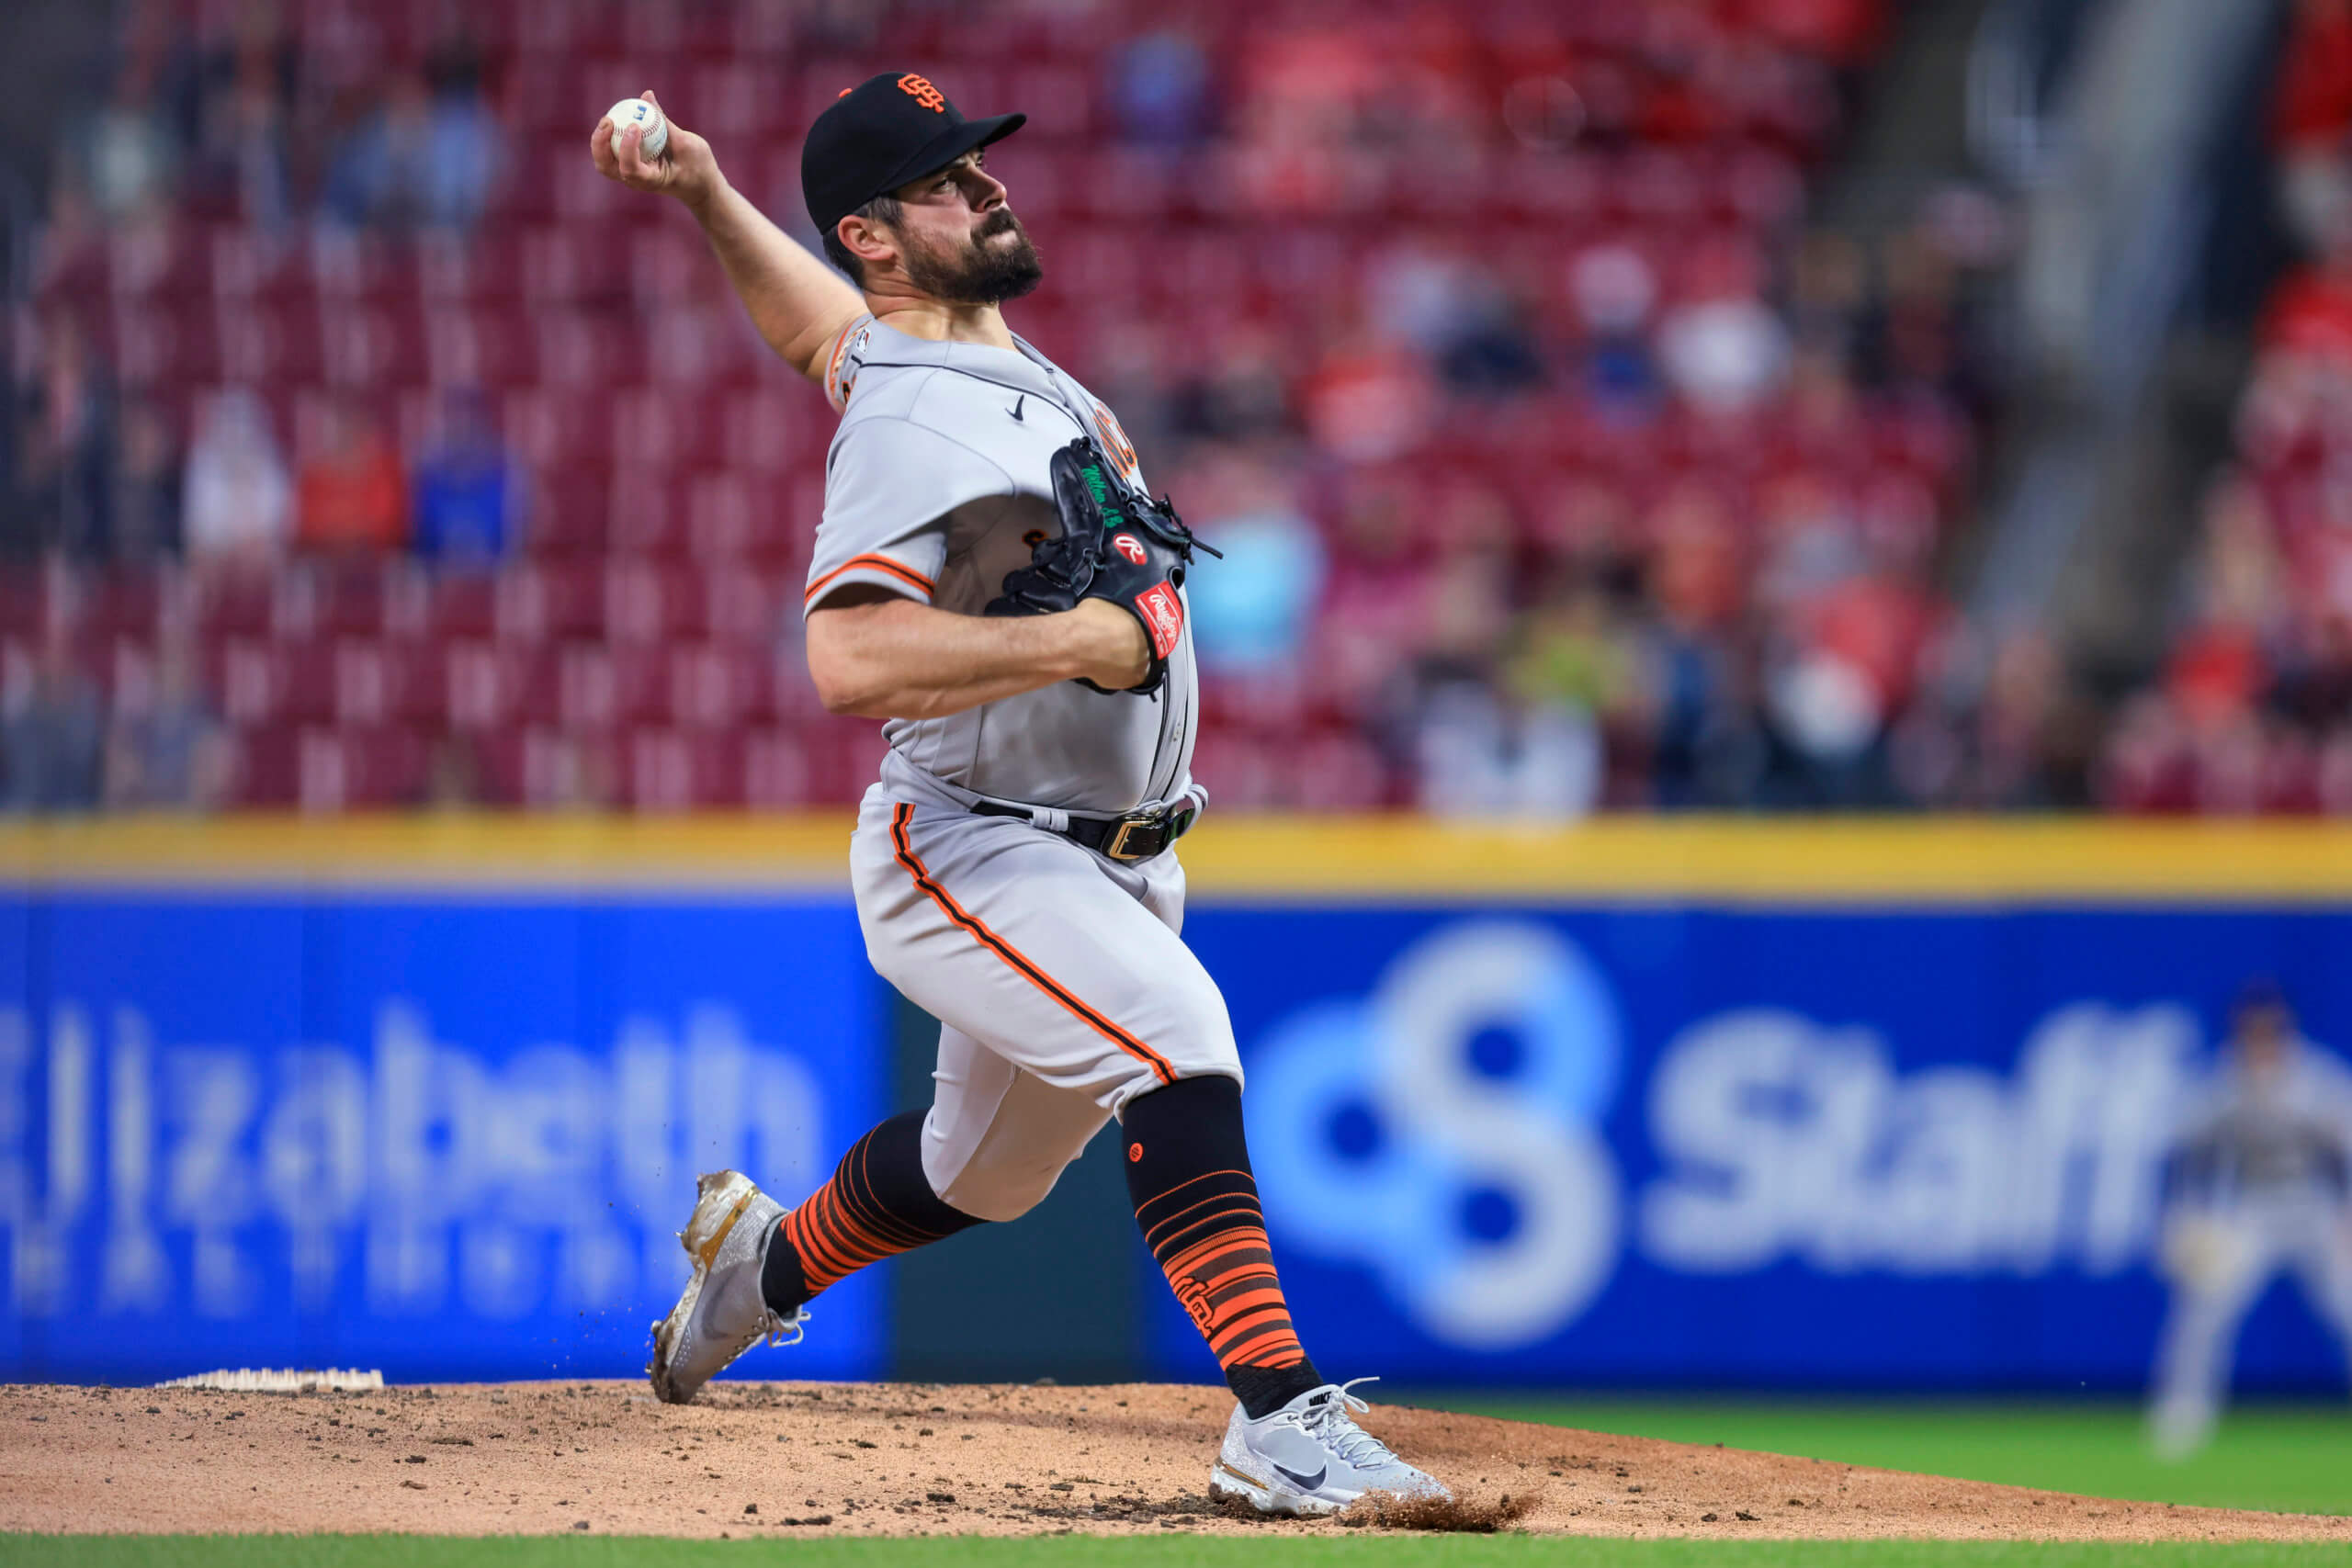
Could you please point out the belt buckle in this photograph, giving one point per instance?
(1128, 827)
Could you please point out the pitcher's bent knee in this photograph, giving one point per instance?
(1001, 1192)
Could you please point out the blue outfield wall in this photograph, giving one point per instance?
(450, 1137)
(1724, 1141)
(1737, 1147)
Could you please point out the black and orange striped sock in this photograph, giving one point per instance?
(878, 1204)
(1188, 1171)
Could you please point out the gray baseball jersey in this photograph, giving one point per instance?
(2288, 1130)
(937, 486)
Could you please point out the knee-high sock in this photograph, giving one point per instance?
(877, 1203)
(1188, 1172)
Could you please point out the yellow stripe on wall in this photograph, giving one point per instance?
(1692, 859)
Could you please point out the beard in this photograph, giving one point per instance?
(977, 273)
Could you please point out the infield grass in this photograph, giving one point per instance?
(1225, 1552)
(2296, 1459)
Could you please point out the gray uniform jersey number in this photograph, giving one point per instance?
(937, 486)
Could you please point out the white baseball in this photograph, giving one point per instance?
(636, 111)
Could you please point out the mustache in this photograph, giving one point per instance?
(1000, 222)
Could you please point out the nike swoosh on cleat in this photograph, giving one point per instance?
(1305, 1483)
(1017, 404)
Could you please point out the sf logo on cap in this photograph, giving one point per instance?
(919, 89)
(1130, 547)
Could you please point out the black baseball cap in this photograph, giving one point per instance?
(882, 133)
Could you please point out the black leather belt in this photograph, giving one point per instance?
(1137, 835)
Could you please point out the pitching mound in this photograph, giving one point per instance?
(912, 1459)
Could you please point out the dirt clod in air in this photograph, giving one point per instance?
(1463, 1513)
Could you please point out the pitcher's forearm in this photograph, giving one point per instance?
(895, 658)
(796, 302)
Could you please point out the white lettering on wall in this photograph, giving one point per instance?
(553, 1180)
(1784, 1138)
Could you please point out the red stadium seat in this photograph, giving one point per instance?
(265, 769)
(477, 348)
(716, 686)
(747, 606)
(174, 342)
(556, 430)
(647, 512)
(160, 261)
(571, 264)
(652, 601)
(493, 686)
(602, 688)
(547, 603)
(358, 770)
(673, 771)
(569, 514)
(464, 605)
(272, 683)
(484, 267)
(576, 348)
(778, 774)
(378, 683)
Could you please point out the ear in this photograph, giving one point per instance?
(867, 241)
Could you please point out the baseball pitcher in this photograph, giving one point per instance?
(992, 577)
(2257, 1185)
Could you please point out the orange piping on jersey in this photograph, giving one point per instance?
(902, 815)
(835, 393)
(872, 563)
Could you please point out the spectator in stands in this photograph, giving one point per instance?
(146, 487)
(2311, 123)
(1476, 749)
(1724, 350)
(1160, 90)
(166, 748)
(239, 501)
(1368, 400)
(469, 493)
(1375, 603)
(1241, 395)
(1700, 669)
(242, 147)
(1614, 290)
(427, 156)
(50, 740)
(1455, 314)
(130, 148)
(351, 495)
(1572, 669)
(1253, 610)
(68, 442)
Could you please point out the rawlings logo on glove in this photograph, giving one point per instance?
(1115, 544)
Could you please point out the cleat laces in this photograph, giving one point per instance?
(1330, 1423)
(777, 1330)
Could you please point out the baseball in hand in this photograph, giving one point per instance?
(637, 112)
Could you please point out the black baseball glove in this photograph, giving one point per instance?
(1114, 545)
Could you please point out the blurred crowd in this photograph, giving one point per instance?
(2253, 709)
(1558, 463)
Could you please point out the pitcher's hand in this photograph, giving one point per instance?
(686, 168)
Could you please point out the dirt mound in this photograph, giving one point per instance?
(915, 1459)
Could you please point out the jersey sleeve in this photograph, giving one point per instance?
(890, 489)
(844, 359)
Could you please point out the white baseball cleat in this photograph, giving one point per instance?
(722, 1314)
(1310, 1457)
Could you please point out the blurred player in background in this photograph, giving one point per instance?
(2259, 1181)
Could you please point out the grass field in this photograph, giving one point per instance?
(2294, 1457)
